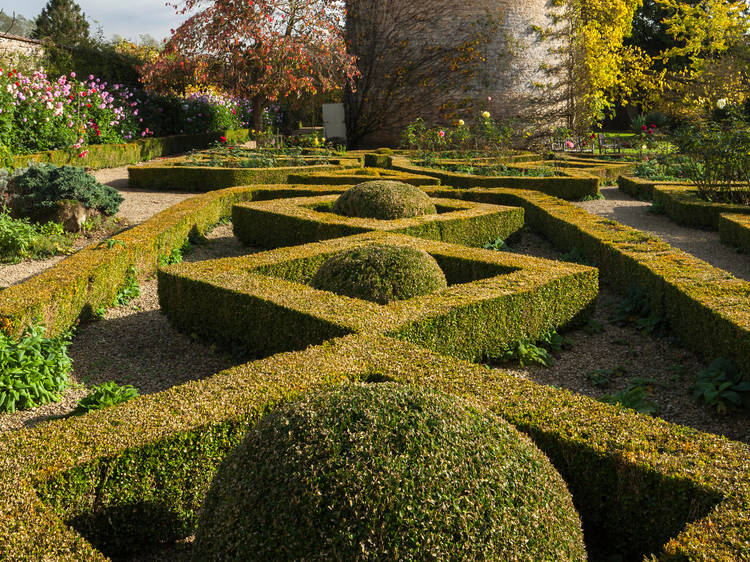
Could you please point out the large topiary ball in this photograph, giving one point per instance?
(386, 472)
(380, 273)
(383, 199)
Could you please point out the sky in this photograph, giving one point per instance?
(126, 18)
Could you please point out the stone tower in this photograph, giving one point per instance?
(442, 60)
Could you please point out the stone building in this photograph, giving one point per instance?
(442, 60)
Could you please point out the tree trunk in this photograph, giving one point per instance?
(258, 103)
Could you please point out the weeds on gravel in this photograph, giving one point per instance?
(577, 256)
(34, 370)
(528, 352)
(105, 395)
(635, 309)
(596, 197)
(603, 377)
(129, 291)
(176, 255)
(21, 239)
(634, 397)
(498, 245)
(721, 386)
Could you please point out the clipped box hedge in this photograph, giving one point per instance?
(287, 222)
(575, 184)
(682, 204)
(262, 303)
(707, 308)
(734, 230)
(353, 177)
(163, 176)
(90, 278)
(112, 155)
(133, 476)
(638, 188)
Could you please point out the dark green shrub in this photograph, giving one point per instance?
(380, 273)
(386, 472)
(33, 369)
(41, 186)
(385, 200)
(105, 395)
(721, 386)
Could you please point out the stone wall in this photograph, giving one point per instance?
(12, 47)
(507, 57)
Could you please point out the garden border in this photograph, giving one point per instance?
(277, 223)
(644, 483)
(695, 297)
(114, 155)
(734, 230)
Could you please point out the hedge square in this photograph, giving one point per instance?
(262, 302)
(287, 222)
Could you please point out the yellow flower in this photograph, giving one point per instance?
(486, 114)
(461, 123)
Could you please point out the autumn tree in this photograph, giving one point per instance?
(260, 50)
(62, 22)
(595, 66)
(711, 40)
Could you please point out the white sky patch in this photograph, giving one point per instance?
(126, 18)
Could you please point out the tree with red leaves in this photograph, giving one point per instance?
(260, 50)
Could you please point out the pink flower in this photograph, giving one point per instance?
(489, 98)
(223, 139)
(441, 134)
(644, 127)
(83, 154)
(569, 144)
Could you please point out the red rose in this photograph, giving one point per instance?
(223, 140)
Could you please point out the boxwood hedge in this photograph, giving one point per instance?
(494, 299)
(735, 230)
(284, 222)
(131, 477)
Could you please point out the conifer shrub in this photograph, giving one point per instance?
(380, 273)
(386, 472)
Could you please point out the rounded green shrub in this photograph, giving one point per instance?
(385, 200)
(386, 472)
(380, 273)
(40, 187)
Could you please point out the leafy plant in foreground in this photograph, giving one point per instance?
(105, 395)
(498, 244)
(634, 397)
(721, 386)
(635, 309)
(129, 291)
(34, 370)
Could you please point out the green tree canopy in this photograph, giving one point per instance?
(62, 22)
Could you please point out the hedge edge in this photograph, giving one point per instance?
(734, 230)
(112, 155)
(695, 297)
(648, 485)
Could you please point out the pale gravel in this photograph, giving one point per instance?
(703, 244)
(138, 206)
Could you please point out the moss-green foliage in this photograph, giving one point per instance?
(638, 188)
(734, 230)
(134, 476)
(352, 176)
(694, 297)
(682, 204)
(271, 224)
(384, 471)
(112, 155)
(384, 200)
(380, 273)
(21, 239)
(41, 186)
(105, 395)
(493, 299)
(34, 369)
(575, 184)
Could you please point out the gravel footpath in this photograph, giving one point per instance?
(138, 206)
(134, 344)
(703, 244)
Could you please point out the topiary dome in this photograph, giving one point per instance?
(380, 273)
(386, 472)
(385, 200)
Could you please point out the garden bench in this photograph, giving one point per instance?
(609, 143)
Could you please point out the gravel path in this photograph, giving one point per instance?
(703, 244)
(138, 206)
(134, 344)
